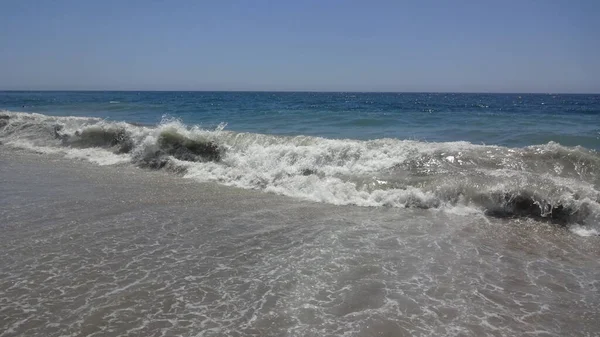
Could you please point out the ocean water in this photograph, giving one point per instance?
(513, 120)
(299, 214)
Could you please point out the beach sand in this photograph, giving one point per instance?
(91, 250)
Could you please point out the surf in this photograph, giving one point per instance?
(547, 182)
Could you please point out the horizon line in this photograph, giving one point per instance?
(309, 91)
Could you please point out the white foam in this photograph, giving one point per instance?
(98, 156)
(95, 155)
(381, 172)
(584, 231)
(26, 145)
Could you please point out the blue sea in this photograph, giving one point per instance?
(513, 120)
(299, 214)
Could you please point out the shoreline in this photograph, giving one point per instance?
(89, 250)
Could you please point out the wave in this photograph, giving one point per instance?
(546, 182)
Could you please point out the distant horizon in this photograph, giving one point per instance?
(307, 91)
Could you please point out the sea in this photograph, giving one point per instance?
(299, 214)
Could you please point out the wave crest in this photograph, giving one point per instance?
(546, 182)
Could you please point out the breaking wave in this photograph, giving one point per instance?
(547, 182)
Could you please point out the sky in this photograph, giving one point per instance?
(326, 45)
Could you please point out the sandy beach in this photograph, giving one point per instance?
(120, 251)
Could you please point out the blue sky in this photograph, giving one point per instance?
(444, 45)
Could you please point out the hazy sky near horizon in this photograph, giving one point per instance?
(472, 46)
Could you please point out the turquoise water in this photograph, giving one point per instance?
(513, 120)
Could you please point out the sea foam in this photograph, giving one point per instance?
(548, 182)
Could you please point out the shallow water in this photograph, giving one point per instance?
(116, 250)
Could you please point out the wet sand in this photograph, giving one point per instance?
(91, 250)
